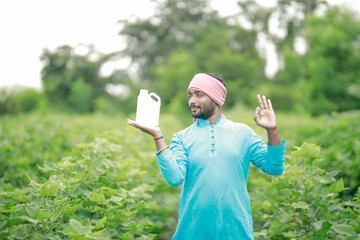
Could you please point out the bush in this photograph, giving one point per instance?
(338, 136)
(109, 188)
(282, 97)
(19, 100)
(80, 98)
(303, 203)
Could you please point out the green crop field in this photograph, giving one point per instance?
(72, 168)
(94, 177)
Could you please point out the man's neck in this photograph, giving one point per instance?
(214, 117)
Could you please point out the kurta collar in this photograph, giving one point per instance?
(205, 122)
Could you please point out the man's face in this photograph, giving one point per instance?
(201, 105)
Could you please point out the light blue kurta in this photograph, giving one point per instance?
(214, 161)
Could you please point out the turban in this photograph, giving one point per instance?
(210, 86)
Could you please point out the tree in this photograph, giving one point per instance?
(151, 41)
(289, 14)
(328, 72)
(186, 37)
(73, 80)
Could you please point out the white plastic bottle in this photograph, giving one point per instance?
(148, 108)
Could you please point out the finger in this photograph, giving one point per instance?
(257, 112)
(265, 102)
(270, 105)
(132, 123)
(260, 101)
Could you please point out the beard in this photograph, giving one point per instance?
(203, 112)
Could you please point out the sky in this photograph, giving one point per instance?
(27, 27)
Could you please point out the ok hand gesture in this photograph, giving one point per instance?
(265, 115)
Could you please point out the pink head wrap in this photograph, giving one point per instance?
(210, 86)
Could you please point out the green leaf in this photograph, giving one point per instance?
(318, 225)
(21, 199)
(337, 187)
(31, 209)
(67, 164)
(47, 190)
(109, 192)
(71, 209)
(97, 234)
(16, 193)
(21, 192)
(76, 228)
(98, 209)
(333, 173)
(344, 229)
(19, 220)
(125, 236)
(4, 210)
(100, 223)
(289, 234)
(266, 205)
(117, 200)
(302, 205)
(61, 200)
(97, 197)
(42, 215)
(334, 207)
(48, 167)
(75, 224)
(131, 213)
(327, 180)
(138, 228)
(82, 145)
(355, 204)
(277, 228)
(352, 237)
(307, 150)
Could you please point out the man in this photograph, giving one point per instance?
(212, 158)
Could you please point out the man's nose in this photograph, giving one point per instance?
(192, 101)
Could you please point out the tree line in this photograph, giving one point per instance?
(186, 37)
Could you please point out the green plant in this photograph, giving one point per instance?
(303, 203)
(102, 190)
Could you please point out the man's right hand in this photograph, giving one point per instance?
(153, 131)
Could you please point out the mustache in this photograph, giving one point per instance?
(194, 106)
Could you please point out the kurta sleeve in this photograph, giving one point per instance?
(270, 159)
(173, 162)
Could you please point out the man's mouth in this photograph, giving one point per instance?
(194, 110)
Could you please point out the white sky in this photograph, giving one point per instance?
(27, 27)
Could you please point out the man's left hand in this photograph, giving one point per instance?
(265, 115)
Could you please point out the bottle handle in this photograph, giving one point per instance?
(156, 97)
